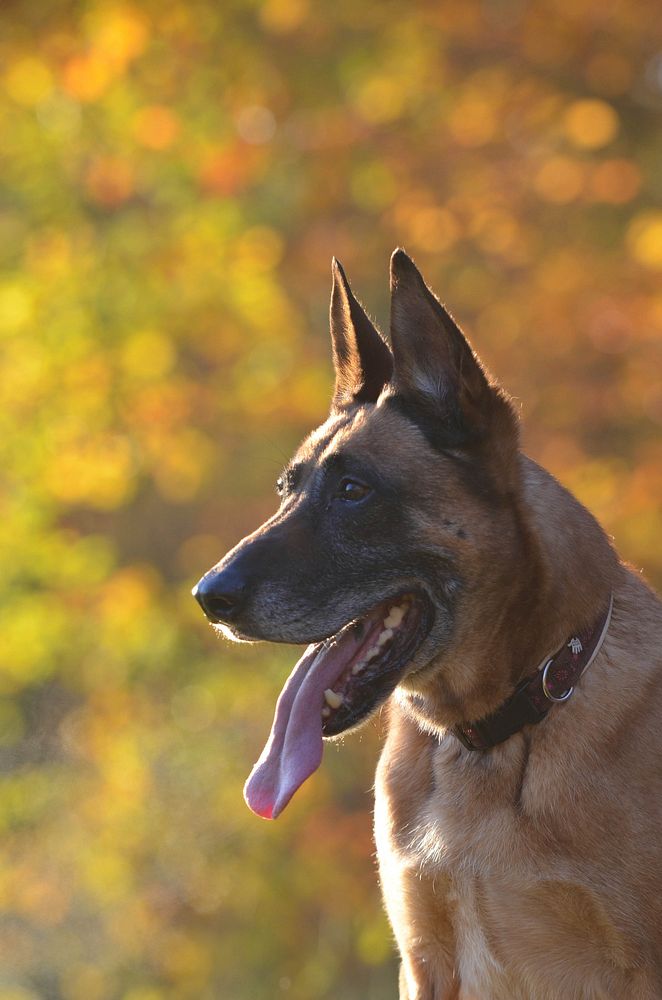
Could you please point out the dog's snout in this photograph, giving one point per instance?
(221, 594)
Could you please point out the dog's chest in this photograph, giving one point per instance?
(519, 913)
(476, 960)
(499, 921)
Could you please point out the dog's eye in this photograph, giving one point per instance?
(351, 490)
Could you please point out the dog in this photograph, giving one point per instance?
(434, 570)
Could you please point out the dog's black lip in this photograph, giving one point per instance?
(357, 621)
(381, 685)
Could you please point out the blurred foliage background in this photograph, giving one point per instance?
(174, 180)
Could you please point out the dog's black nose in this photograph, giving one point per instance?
(221, 595)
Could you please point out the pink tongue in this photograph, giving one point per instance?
(294, 748)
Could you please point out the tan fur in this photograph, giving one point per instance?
(533, 871)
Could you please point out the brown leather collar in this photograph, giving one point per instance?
(534, 696)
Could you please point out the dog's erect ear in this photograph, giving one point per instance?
(361, 357)
(434, 365)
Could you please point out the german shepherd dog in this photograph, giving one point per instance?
(434, 569)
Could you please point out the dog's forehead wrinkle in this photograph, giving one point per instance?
(311, 451)
(384, 437)
(344, 433)
(319, 438)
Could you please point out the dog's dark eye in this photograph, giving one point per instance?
(351, 490)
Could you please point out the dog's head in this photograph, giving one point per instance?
(394, 519)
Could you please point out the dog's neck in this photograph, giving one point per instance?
(579, 564)
(555, 581)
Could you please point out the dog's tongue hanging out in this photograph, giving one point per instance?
(294, 748)
(346, 663)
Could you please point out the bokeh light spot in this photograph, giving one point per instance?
(590, 124)
(283, 16)
(380, 99)
(559, 180)
(86, 77)
(16, 306)
(29, 81)
(473, 121)
(256, 124)
(156, 127)
(644, 239)
(148, 354)
(433, 229)
(615, 182)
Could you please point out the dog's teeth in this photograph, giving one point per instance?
(358, 667)
(332, 699)
(326, 712)
(385, 636)
(394, 617)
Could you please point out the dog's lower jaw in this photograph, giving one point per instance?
(229, 633)
(433, 716)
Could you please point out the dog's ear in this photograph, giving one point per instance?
(362, 359)
(435, 368)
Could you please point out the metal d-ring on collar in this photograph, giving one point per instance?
(533, 697)
(598, 645)
(547, 692)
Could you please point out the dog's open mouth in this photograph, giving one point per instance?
(335, 685)
(378, 648)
